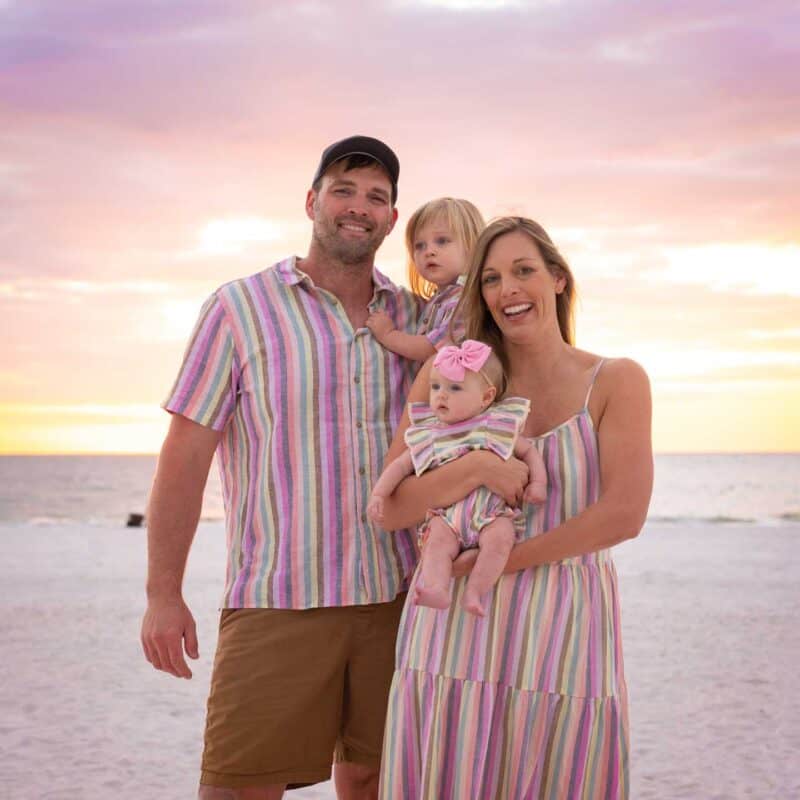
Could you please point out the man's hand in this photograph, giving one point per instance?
(167, 628)
(380, 323)
(464, 562)
(507, 479)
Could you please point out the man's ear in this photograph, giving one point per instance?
(394, 220)
(311, 198)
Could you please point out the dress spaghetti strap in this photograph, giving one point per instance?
(591, 383)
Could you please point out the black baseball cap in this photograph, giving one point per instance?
(364, 146)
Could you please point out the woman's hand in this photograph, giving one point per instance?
(507, 479)
(464, 562)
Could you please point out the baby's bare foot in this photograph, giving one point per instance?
(432, 597)
(471, 602)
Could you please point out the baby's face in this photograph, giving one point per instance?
(455, 401)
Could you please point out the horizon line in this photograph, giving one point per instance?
(96, 453)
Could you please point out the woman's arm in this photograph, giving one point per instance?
(626, 476)
(445, 485)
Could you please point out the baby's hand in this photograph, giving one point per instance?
(380, 323)
(535, 493)
(375, 508)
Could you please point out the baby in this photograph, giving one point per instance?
(461, 416)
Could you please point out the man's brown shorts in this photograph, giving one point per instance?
(293, 691)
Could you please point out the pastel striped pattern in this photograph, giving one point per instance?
(437, 312)
(432, 443)
(307, 406)
(470, 516)
(530, 701)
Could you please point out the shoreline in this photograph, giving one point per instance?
(709, 624)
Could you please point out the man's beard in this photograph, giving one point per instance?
(347, 251)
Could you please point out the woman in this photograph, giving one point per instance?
(529, 701)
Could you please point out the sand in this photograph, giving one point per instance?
(710, 622)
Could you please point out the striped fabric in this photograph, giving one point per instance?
(436, 315)
(529, 701)
(432, 443)
(307, 406)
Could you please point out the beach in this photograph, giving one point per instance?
(710, 625)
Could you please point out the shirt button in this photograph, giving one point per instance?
(356, 379)
(424, 320)
(362, 471)
(363, 517)
(359, 424)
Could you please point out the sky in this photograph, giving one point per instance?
(151, 151)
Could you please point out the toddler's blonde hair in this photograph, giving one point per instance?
(460, 217)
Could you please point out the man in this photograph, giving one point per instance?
(283, 380)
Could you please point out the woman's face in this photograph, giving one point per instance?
(518, 288)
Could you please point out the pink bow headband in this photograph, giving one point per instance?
(452, 361)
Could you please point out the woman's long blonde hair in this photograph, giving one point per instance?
(472, 308)
(460, 217)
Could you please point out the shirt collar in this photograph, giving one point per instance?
(291, 275)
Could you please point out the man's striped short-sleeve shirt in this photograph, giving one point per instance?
(307, 406)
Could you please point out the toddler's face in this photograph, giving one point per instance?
(438, 255)
(455, 401)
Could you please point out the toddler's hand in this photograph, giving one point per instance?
(380, 323)
(375, 508)
(535, 493)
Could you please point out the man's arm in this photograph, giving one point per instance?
(175, 503)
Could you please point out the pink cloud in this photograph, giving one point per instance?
(126, 128)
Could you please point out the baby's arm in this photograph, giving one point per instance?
(411, 346)
(536, 490)
(389, 480)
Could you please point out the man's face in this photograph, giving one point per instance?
(352, 212)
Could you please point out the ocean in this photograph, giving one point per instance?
(723, 489)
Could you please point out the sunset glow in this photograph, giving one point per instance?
(150, 152)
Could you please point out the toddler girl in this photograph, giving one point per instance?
(439, 238)
(460, 416)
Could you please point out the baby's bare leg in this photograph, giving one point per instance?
(494, 543)
(441, 547)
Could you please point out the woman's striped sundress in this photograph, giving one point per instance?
(530, 700)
